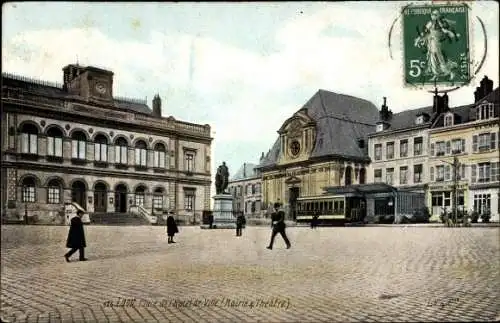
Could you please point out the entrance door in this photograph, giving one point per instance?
(78, 194)
(294, 193)
(100, 197)
(121, 198)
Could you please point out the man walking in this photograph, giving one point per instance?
(240, 224)
(278, 225)
(76, 237)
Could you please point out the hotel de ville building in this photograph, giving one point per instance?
(77, 142)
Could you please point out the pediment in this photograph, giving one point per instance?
(292, 180)
(295, 124)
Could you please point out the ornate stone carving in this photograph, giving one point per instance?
(67, 127)
(294, 129)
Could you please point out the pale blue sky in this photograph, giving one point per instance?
(243, 68)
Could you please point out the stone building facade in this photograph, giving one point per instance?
(76, 142)
(246, 188)
(323, 144)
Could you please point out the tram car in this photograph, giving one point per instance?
(330, 209)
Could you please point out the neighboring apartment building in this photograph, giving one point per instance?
(472, 134)
(76, 142)
(414, 150)
(322, 144)
(246, 188)
(398, 149)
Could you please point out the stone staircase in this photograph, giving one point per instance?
(117, 219)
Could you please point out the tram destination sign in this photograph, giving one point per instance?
(436, 45)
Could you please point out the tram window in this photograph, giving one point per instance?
(330, 204)
(341, 206)
(308, 206)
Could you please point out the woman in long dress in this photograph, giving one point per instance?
(171, 229)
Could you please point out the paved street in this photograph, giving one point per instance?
(330, 274)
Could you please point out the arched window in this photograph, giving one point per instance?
(54, 142)
(362, 175)
(100, 148)
(159, 156)
(141, 153)
(121, 151)
(158, 199)
(29, 190)
(54, 192)
(448, 120)
(29, 139)
(139, 196)
(78, 145)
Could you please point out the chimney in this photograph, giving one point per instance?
(262, 156)
(435, 102)
(476, 95)
(244, 169)
(445, 102)
(385, 114)
(157, 106)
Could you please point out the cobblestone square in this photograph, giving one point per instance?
(341, 274)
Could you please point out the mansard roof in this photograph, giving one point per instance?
(340, 121)
(247, 170)
(55, 90)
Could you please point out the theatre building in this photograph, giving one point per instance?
(323, 144)
(76, 142)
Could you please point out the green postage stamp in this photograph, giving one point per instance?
(436, 45)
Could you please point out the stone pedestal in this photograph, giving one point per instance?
(223, 212)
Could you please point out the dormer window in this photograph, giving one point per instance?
(380, 127)
(448, 120)
(485, 111)
(419, 120)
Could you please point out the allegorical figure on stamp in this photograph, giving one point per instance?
(434, 33)
(221, 179)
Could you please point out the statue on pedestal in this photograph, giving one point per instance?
(221, 179)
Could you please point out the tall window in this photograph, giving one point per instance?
(139, 196)
(417, 173)
(253, 189)
(403, 148)
(160, 156)
(483, 172)
(378, 175)
(390, 150)
(189, 200)
(431, 174)
(440, 148)
(100, 148)
(141, 154)
(457, 146)
(78, 145)
(389, 176)
(29, 139)
(495, 172)
(484, 141)
(440, 173)
(447, 172)
(121, 151)
(403, 175)
(417, 146)
(378, 151)
(29, 190)
(485, 111)
(54, 192)
(158, 199)
(54, 142)
(482, 203)
(189, 162)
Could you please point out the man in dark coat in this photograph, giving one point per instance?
(278, 225)
(171, 229)
(240, 223)
(76, 237)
